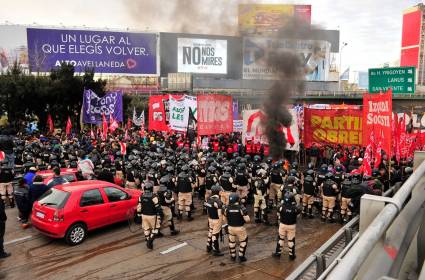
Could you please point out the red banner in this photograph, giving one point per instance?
(157, 113)
(214, 114)
(377, 116)
(333, 127)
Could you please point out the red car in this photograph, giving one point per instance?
(71, 210)
(68, 174)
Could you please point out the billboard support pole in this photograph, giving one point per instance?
(340, 65)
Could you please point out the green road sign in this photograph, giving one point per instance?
(400, 79)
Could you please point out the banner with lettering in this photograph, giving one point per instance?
(178, 114)
(157, 113)
(253, 130)
(94, 106)
(333, 126)
(377, 117)
(214, 114)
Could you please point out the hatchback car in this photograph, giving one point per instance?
(71, 210)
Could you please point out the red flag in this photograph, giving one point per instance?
(367, 169)
(50, 123)
(129, 122)
(123, 147)
(418, 139)
(378, 155)
(105, 127)
(68, 126)
(113, 124)
(126, 135)
(92, 134)
(2, 155)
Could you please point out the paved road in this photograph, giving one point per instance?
(116, 253)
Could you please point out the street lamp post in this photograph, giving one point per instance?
(340, 64)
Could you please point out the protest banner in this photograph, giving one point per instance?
(333, 127)
(94, 106)
(253, 130)
(214, 114)
(377, 118)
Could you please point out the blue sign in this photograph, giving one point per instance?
(105, 51)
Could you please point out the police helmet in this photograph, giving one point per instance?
(185, 168)
(324, 168)
(293, 172)
(290, 180)
(148, 186)
(233, 198)
(329, 175)
(310, 172)
(338, 168)
(216, 189)
(211, 169)
(288, 199)
(257, 158)
(408, 170)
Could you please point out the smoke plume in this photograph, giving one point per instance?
(290, 82)
(186, 16)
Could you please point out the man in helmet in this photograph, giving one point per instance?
(242, 181)
(321, 175)
(260, 193)
(226, 182)
(276, 182)
(184, 189)
(6, 188)
(309, 190)
(149, 211)
(329, 193)
(346, 199)
(287, 214)
(236, 216)
(215, 218)
(166, 201)
(201, 174)
(210, 180)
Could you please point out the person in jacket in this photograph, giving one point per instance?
(37, 189)
(57, 179)
(23, 202)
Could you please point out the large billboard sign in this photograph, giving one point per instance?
(400, 79)
(266, 18)
(105, 51)
(204, 56)
(256, 51)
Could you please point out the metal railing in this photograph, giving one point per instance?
(351, 263)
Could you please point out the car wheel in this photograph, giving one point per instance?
(76, 234)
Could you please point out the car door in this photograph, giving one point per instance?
(119, 203)
(92, 209)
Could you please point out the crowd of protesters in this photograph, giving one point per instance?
(321, 180)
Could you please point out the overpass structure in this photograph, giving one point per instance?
(386, 241)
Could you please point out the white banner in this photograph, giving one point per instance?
(201, 56)
(252, 129)
(179, 111)
(237, 125)
(314, 56)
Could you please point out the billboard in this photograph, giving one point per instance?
(105, 51)
(256, 50)
(207, 56)
(266, 18)
(13, 47)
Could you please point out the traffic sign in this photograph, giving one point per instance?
(400, 79)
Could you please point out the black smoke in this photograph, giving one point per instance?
(289, 82)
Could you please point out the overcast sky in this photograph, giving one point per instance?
(372, 28)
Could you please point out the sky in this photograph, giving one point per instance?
(371, 28)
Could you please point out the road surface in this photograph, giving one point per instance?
(116, 253)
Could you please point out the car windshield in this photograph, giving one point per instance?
(54, 198)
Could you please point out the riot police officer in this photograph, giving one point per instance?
(210, 180)
(242, 181)
(215, 218)
(276, 182)
(184, 189)
(287, 214)
(226, 182)
(166, 201)
(309, 191)
(329, 192)
(260, 193)
(346, 199)
(236, 216)
(150, 213)
(6, 188)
